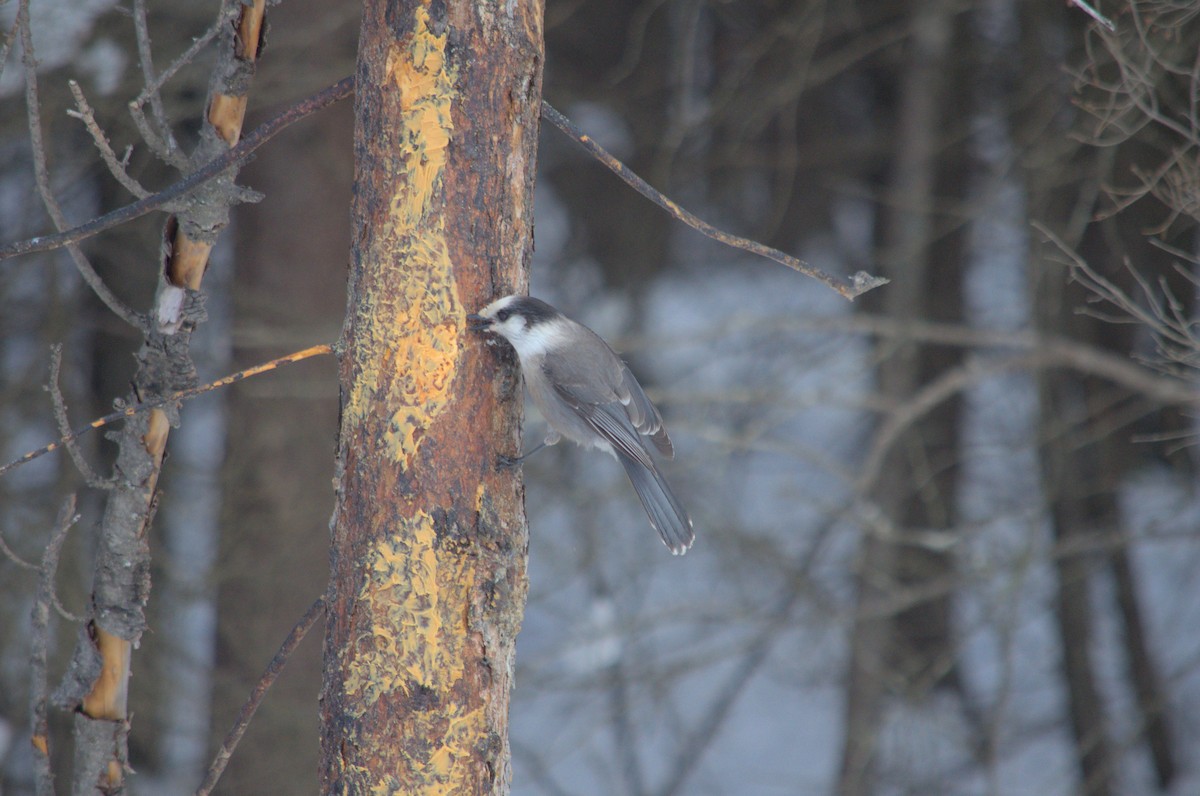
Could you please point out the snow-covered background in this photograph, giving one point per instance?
(729, 670)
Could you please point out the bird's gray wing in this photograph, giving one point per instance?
(607, 380)
(611, 422)
(642, 413)
(612, 403)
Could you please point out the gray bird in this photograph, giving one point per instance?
(588, 395)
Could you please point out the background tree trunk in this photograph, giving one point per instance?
(1086, 425)
(912, 651)
(292, 254)
(429, 541)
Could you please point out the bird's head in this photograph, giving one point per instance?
(531, 325)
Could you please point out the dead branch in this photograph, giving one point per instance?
(1050, 355)
(850, 288)
(1094, 14)
(1161, 313)
(41, 174)
(231, 158)
(162, 140)
(229, 14)
(40, 644)
(116, 167)
(181, 395)
(12, 556)
(250, 707)
(64, 425)
(9, 38)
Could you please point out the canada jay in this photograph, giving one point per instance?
(587, 394)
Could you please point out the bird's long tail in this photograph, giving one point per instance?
(666, 514)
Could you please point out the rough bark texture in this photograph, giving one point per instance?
(429, 540)
(121, 576)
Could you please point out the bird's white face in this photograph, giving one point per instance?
(531, 336)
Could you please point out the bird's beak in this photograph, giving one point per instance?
(478, 323)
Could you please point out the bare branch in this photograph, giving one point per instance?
(40, 644)
(232, 157)
(12, 556)
(9, 38)
(182, 395)
(41, 173)
(1162, 315)
(163, 140)
(1094, 14)
(116, 167)
(64, 425)
(850, 288)
(705, 730)
(1051, 353)
(250, 707)
(229, 14)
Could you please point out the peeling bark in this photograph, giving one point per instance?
(121, 579)
(429, 540)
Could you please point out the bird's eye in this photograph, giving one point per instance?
(502, 315)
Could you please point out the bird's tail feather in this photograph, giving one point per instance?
(666, 514)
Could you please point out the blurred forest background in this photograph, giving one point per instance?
(947, 534)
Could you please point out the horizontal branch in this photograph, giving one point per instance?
(1042, 354)
(182, 395)
(1052, 351)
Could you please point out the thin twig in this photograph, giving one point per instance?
(116, 167)
(709, 725)
(850, 288)
(256, 696)
(182, 395)
(163, 140)
(1094, 14)
(233, 157)
(64, 425)
(41, 174)
(9, 38)
(1178, 334)
(12, 556)
(39, 649)
(706, 727)
(1051, 353)
(231, 12)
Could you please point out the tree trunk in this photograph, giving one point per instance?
(121, 571)
(429, 541)
(1086, 423)
(913, 650)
